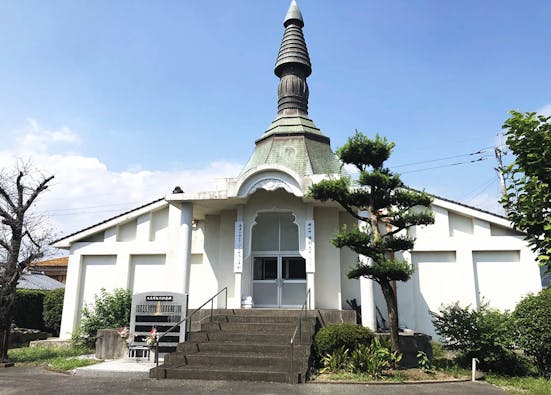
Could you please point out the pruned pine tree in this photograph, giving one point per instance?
(22, 237)
(385, 209)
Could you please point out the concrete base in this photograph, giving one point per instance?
(109, 345)
(411, 344)
(51, 342)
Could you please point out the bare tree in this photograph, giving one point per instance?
(22, 236)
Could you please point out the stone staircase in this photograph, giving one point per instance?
(245, 344)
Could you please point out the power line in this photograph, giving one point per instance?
(480, 151)
(447, 165)
(88, 207)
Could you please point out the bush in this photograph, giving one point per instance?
(110, 310)
(532, 326)
(484, 334)
(53, 309)
(335, 336)
(27, 309)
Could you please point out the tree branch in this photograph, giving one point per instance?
(40, 188)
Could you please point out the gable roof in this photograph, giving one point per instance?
(65, 241)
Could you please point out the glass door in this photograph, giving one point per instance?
(265, 281)
(293, 281)
(279, 281)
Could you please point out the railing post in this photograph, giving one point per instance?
(226, 293)
(211, 306)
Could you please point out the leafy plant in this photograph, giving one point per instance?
(336, 361)
(110, 310)
(373, 359)
(335, 336)
(532, 327)
(424, 363)
(53, 309)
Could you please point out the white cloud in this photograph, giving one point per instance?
(85, 191)
(545, 110)
(34, 139)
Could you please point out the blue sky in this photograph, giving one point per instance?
(123, 100)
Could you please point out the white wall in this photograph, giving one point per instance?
(328, 266)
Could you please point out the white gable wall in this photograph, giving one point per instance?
(460, 258)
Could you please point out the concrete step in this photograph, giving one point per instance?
(249, 327)
(250, 374)
(231, 347)
(259, 319)
(242, 360)
(238, 337)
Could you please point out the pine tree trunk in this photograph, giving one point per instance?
(392, 307)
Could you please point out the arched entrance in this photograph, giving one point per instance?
(279, 271)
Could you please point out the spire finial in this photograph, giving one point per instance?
(293, 65)
(293, 14)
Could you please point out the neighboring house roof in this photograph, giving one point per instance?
(38, 280)
(54, 262)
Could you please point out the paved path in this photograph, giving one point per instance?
(36, 380)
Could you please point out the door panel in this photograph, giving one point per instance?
(279, 281)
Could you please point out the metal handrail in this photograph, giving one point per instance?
(187, 320)
(298, 329)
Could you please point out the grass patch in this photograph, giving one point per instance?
(57, 358)
(398, 375)
(70, 363)
(41, 354)
(521, 385)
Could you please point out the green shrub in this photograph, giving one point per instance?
(484, 334)
(110, 310)
(28, 307)
(335, 336)
(53, 309)
(532, 327)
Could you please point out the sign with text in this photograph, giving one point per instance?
(238, 248)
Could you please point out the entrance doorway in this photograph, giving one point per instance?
(279, 281)
(279, 271)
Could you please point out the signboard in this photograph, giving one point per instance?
(159, 310)
(238, 248)
(310, 247)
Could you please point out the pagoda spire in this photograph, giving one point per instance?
(293, 66)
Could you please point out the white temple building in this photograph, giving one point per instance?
(261, 236)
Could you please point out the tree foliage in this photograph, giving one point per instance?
(109, 310)
(528, 179)
(484, 334)
(378, 199)
(532, 327)
(22, 236)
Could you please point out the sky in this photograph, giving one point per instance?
(123, 100)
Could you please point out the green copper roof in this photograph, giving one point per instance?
(298, 152)
(292, 140)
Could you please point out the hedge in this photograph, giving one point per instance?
(38, 309)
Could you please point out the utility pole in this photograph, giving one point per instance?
(499, 152)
